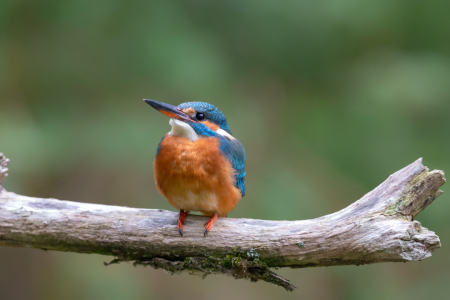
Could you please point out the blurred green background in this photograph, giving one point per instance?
(328, 97)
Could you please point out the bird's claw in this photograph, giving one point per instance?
(181, 221)
(209, 224)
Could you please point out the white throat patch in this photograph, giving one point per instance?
(182, 129)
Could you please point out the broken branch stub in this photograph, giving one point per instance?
(3, 169)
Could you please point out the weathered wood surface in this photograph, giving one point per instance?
(380, 227)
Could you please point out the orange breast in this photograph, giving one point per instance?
(195, 176)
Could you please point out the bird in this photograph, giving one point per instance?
(199, 164)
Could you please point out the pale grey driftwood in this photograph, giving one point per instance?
(380, 227)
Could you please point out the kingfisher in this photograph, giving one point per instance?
(199, 165)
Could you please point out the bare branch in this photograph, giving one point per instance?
(379, 227)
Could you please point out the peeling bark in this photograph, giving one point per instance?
(379, 227)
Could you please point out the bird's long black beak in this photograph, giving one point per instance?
(169, 110)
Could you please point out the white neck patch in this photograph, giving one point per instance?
(225, 134)
(182, 129)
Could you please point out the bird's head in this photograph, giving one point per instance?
(194, 119)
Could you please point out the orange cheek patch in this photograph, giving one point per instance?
(211, 126)
(190, 111)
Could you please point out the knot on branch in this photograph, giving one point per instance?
(4, 162)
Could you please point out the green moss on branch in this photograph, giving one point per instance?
(240, 264)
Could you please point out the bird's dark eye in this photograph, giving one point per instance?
(200, 116)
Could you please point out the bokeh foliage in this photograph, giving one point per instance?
(328, 98)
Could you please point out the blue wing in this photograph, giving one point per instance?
(235, 153)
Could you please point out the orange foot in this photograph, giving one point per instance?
(210, 223)
(181, 220)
